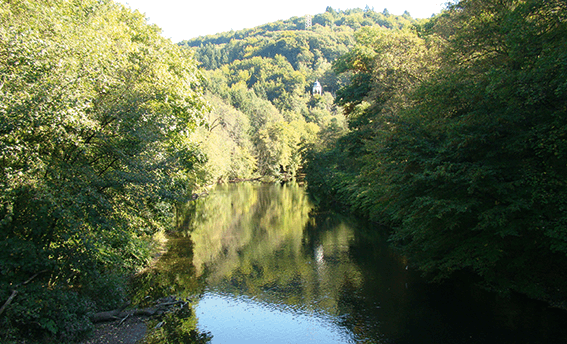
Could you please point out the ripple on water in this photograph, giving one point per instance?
(239, 319)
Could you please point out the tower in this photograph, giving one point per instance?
(317, 88)
(307, 22)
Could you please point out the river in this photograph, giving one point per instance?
(262, 267)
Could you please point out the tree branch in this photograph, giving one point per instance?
(15, 292)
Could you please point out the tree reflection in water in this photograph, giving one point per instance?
(262, 265)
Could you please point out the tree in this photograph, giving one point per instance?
(384, 66)
(95, 114)
(457, 142)
(472, 173)
(280, 147)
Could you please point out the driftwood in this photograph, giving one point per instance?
(121, 321)
(161, 307)
(105, 316)
(148, 312)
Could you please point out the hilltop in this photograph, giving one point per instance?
(259, 82)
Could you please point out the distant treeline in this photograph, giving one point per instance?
(259, 82)
(338, 20)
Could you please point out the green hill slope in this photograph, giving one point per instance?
(266, 74)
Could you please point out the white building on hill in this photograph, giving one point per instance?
(317, 88)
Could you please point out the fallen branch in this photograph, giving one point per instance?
(126, 317)
(105, 316)
(165, 305)
(15, 291)
(34, 276)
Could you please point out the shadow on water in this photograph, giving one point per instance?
(172, 275)
(261, 266)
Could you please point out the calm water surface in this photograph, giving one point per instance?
(263, 268)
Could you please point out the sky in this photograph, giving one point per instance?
(186, 19)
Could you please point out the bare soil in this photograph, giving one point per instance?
(131, 331)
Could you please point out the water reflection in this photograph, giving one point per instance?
(265, 269)
(240, 319)
(173, 274)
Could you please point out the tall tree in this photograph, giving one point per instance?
(96, 108)
(472, 171)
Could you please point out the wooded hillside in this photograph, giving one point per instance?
(260, 82)
(457, 141)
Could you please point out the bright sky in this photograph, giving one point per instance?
(185, 19)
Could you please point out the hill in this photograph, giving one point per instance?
(260, 80)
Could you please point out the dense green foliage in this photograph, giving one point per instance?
(458, 142)
(328, 38)
(266, 74)
(455, 137)
(105, 125)
(96, 109)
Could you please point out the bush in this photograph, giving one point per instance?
(43, 314)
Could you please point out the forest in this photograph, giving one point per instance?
(96, 111)
(457, 142)
(450, 131)
(259, 82)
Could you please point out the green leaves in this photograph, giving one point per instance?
(458, 139)
(96, 109)
(279, 145)
(267, 73)
(498, 115)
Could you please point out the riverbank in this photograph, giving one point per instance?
(133, 328)
(130, 331)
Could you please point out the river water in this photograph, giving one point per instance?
(263, 267)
